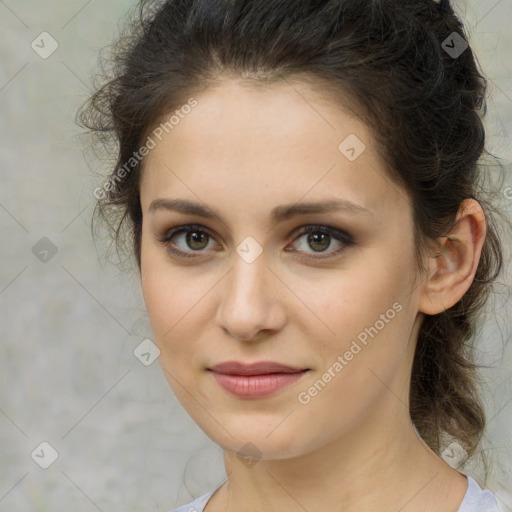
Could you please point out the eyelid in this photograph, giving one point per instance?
(338, 234)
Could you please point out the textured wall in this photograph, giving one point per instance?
(69, 324)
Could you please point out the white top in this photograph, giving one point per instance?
(475, 500)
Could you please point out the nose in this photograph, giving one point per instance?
(249, 307)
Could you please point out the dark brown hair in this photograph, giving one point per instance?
(387, 60)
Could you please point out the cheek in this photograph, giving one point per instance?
(374, 322)
(169, 302)
(355, 300)
(368, 311)
(178, 306)
(168, 297)
(357, 364)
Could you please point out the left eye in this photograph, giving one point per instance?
(319, 238)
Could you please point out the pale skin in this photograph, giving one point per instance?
(243, 152)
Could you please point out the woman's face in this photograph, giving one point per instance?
(250, 285)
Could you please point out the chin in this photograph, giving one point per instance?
(249, 440)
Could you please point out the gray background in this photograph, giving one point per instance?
(69, 325)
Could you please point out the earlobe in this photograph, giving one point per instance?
(453, 267)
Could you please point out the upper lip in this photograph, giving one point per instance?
(259, 368)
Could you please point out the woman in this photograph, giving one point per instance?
(301, 187)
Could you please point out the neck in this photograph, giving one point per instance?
(388, 470)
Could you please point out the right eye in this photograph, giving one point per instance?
(192, 237)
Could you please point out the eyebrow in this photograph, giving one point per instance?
(278, 214)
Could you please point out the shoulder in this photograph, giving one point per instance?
(197, 505)
(477, 500)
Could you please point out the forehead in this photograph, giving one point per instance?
(284, 119)
(267, 144)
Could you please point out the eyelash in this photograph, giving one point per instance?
(341, 236)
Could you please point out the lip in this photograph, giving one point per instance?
(259, 368)
(255, 380)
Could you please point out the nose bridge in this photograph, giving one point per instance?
(246, 280)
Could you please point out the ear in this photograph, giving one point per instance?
(452, 269)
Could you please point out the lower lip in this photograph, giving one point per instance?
(256, 386)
